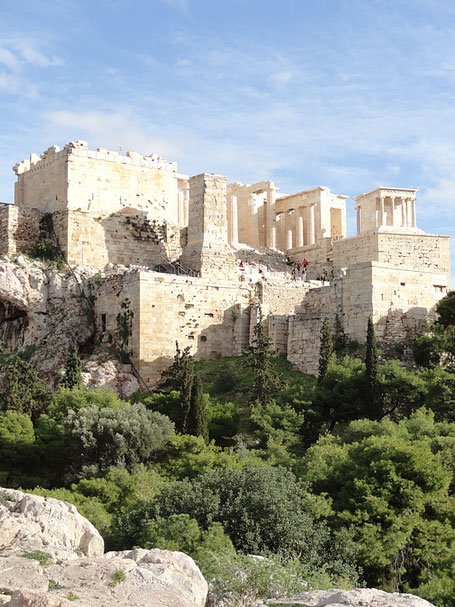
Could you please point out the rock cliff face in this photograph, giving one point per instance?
(43, 314)
(50, 556)
(360, 597)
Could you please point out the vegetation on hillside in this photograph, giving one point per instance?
(336, 481)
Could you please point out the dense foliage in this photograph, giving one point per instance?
(336, 481)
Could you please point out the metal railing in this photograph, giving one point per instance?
(169, 267)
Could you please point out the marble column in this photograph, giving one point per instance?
(413, 210)
(393, 210)
(299, 239)
(381, 211)
(403, 213)
(273, 236)
(289, 221)
(279, 221)
(359, 225)
(234, 231)
(311, 225)
(253, 235)
(408, 213)
(270, 202)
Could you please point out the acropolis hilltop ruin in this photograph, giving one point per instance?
(170, 248)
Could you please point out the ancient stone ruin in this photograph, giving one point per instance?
(199, 260)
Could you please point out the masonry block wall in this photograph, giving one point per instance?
(207, 250)
(19, 229)
(130, 237)
(98, 181)
(213, 318)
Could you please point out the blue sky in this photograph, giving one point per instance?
(350, 94)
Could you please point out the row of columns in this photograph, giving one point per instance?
(285, 230)
(407, 209)
(292, 224)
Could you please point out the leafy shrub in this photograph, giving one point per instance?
(263, 511)
(101, 438)
(47, 249)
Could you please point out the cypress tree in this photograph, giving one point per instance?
(73, 377)
(179, 377)
(259, 358)
(24, 391)
(197, 418)
(371, 363)
(325, 348)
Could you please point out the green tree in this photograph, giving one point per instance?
(439, 392)
(435, 347)
(73, 377)
(391, 482)
(263, 510)
(78, 398)
(325, 348)
(400, 391)
(100, 438)
(197, 424)
(338, 398)
(266, 383)
(179, 377)
(446, 310)
(16, 436)
(24, 391)
(371, 365)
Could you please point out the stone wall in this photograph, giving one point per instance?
(281, 296)
(424, 252)
(213, 318)
(42, 181)
(19, 229)
(100, 181)
(305, 326)
(128, 238)
(208, 251)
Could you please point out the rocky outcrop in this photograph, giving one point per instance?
(41, 310)
(31, 523)
(44, 313)
(110, 375)
(360, 597)
(51, 556)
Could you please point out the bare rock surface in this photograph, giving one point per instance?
(360, 597)
(110, 375)
(51, 556)
(42, 312)
(30, 522)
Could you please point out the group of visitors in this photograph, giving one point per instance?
(299, 270)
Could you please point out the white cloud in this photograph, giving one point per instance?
(16, 53)
(281, 78)
(9, 60)
(181, 5)
(33, 56)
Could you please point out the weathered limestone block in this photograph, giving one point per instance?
(134, 578)
(31, 522)
(207, 250)
(354, 598)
